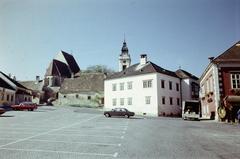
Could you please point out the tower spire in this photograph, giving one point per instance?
(124, 58)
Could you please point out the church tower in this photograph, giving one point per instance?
(124, 58)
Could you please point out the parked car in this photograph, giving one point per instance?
(2, 111)
(119, 112)
(25, 106)
(6, 107)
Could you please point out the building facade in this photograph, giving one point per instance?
(12, 92)
(220, 83)
(144, 88)
(85, 90)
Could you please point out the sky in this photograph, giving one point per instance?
(173, 33)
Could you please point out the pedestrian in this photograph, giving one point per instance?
(238, 115)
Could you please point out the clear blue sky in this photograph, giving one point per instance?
(172, 33)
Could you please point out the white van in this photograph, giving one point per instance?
(191, 109)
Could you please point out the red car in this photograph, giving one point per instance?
(25, 106)
(2, 111)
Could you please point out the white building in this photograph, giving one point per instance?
(189, 85)
(144, 88)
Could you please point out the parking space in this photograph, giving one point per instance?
(60, 133)
(73, 133)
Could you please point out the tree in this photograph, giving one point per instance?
(98, 69)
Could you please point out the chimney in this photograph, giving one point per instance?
(211, 59)
(143, 59)
(37, 78)
(14, 78)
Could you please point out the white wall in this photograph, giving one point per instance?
(138, 94)
(7, 92)
(186, 89)
(166, 92)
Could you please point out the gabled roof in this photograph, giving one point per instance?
(13, 81)
(138, 69)
(4, 84)
(230, 55)
(33, 85)
(87, 82)
(58, 68)
(71, 62)
(184, 74)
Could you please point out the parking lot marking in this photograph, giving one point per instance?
(50, 131)
(88, 143)
(63, 152)
(115, 154)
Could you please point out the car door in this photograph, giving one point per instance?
(114, 112)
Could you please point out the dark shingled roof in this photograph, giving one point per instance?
(184, 74)
(71, 62)
(58, 68)
(137, 69)
(87, 82)
(4, 84)
(13, 81)
(230, 55)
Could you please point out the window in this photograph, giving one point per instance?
(178, 101)
(129, 85)
(170, 85)
(177, 86)
(147, 84)
(77, 96)
(195, 90)
(147, 100)
(162, 83)
(171, 100)
(114, 87)
(235, 79)
(114, 101)
(121, 101)
(12, 98)
(89, 97)
(7, 97)
(64, 96)
(163, 100)
(121, 86)
(130, 101)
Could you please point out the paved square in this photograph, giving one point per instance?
(70, 133)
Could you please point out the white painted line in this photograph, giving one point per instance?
(115, 154)
(104, 136)
(63, 152)
(122, 137)
(50, 131)
(87, 143)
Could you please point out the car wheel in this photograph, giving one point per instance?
(127, 116)
(107, 115)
